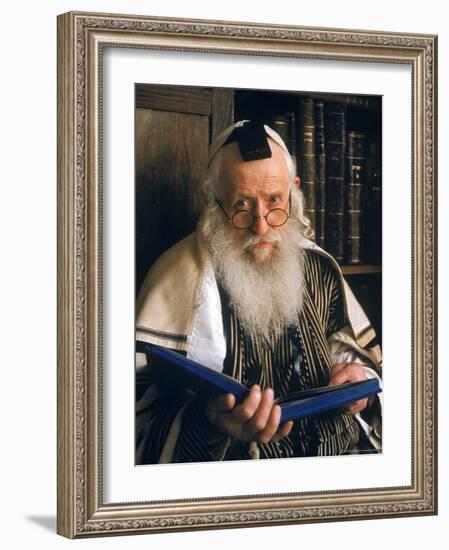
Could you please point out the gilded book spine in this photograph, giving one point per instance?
(320, 173)
(355, 187)
(284, 125)
(306, 157)
(335, 127)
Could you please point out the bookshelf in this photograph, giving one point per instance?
(361, 269)
(336, 141)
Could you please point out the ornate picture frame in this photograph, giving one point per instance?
(82, 40)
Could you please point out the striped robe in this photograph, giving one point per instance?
(299, 359)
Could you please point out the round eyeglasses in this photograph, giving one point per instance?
(243, 219)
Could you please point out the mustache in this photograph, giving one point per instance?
(269, 237)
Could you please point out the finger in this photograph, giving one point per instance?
(218, 408)
(339, 378)
(283, 431)
(338, 374)
(246, 409)
(260, 418)
(271, 427)
(338, 367)
(352, 372)
(221, 403)
(356, 407)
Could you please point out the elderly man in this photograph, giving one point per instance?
(250, 295)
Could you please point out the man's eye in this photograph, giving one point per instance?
(274, 200)
(241, 204)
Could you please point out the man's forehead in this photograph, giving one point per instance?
(251, 178)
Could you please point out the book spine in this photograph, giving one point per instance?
(355, 187)
(373, 205)
(284, 125)
(306, 157)
(320, 173)
(335, 131)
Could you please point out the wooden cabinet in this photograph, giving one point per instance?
(174, 126)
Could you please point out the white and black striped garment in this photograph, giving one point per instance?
(299, 359)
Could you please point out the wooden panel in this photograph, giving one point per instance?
(181, 99)
(171, 156)
(222, 110)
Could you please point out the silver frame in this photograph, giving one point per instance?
(81, 39)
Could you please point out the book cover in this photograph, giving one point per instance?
(172, 370)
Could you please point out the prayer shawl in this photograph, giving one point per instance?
(179, 307)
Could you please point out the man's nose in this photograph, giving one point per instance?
(260, 225)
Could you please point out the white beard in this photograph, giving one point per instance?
(265, 294)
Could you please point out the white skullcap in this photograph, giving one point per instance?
(221, 139)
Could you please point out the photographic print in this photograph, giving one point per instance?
(284, 323)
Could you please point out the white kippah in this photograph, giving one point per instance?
(221, 139)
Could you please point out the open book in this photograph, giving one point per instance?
(171, 369)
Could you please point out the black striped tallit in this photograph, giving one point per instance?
(304, 345)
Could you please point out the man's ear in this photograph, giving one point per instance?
(297, 181)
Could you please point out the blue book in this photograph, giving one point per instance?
(172, 369)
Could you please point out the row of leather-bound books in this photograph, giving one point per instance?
(340, 171)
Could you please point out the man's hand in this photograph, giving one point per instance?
(256, 418)
(349, 372)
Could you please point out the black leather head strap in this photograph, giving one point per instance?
(252, 140)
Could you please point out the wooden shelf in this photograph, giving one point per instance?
(361, 269)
